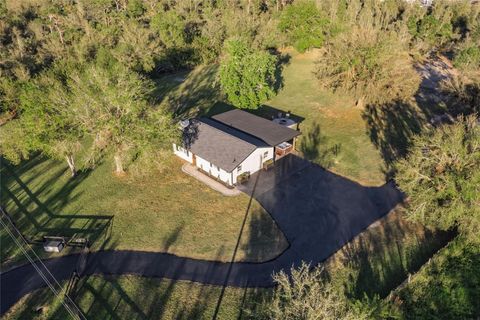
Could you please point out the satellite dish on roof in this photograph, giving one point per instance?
(184, 123)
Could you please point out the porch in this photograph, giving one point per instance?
(284, 148)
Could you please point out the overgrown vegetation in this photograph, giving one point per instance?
(441, 176)
(447, 288)
(365, 62)
(307, 293)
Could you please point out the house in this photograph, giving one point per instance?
(235, 144)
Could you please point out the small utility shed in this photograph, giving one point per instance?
(233, 143)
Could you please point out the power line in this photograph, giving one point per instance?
(69, 305)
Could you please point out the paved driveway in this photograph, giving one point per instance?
(317, 210)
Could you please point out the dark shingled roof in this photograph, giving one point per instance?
(265, 130)
(221, 145)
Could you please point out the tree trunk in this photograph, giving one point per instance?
(71, 165)
(118, 165)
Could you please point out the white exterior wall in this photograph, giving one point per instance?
(214, 170)
(254, 162)
(183, 153)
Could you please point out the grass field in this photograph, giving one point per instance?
(167, 211)
(133, 297)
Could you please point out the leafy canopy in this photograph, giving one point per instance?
(364, 62)
(113, 105)
(247, 76)
(45, 120)
(441, 176)
(307, 293)
(304, 24)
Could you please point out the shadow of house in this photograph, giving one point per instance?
(36, 218)
(315, 147)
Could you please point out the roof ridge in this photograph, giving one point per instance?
(231, 128)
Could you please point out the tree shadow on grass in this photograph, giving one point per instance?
(448, 286)
(391, 127)
(190, 97)
(37, 218)
(384, 255)
(265, 240)
(283, 60)
(127, 297)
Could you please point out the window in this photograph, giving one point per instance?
(265, 154)
(239, 168)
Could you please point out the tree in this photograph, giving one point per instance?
(441, 177)
(304, 24)
(170, 27)
(374, 66)
(246, 76)
(45, 122)
(307, 294)
(112, 104)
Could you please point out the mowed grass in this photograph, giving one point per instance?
(339, 123)
(166, 211)
(383, 256)
(133, 297)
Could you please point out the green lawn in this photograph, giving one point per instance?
(133, 297)
(166, 211)
(382, 257)
(330, 120)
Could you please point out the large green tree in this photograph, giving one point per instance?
(113, 105)
(304, 24)
(247, 76)
(441, 177)
(374, 66)
(45, 123)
